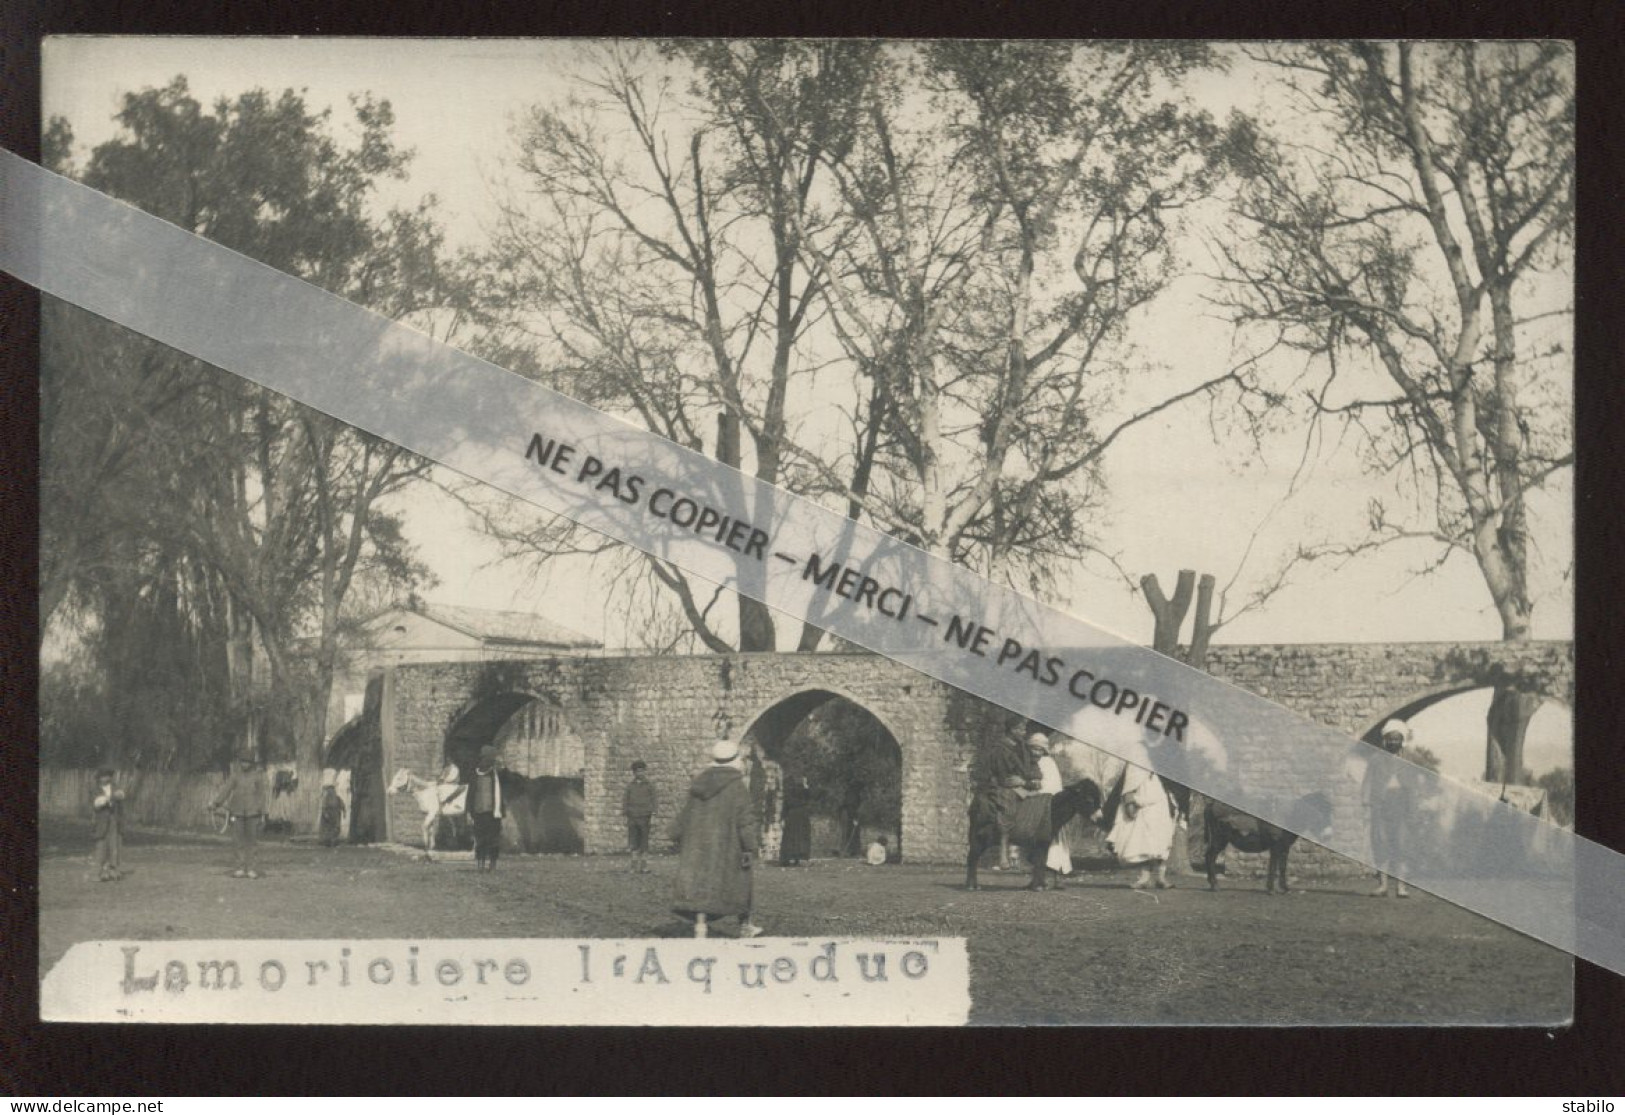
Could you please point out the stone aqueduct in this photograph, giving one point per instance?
(666, 711)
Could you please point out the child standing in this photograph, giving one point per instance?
(638, 805)
(245, 797)
(107, 803)
(332, 815)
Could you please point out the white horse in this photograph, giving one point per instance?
(446, 798)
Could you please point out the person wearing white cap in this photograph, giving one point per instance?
(716, 836)
(1389, 796)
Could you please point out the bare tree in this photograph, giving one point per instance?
(955, 239)
(996, 248)
(1413, 238)
(667, 283)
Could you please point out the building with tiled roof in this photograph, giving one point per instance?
(427, 632)
(524, 632)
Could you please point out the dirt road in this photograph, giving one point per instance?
(1094, 953)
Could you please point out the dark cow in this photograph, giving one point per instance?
(1081, 799)
(1226, 827)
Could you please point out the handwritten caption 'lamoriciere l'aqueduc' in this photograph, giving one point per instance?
(893, 602)
(538, 982)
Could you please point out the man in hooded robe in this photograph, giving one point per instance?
(717, 838)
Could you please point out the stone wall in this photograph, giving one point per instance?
(668, 710)
(1355, 687)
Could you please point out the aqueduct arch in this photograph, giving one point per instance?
(666, 711)
(774, 730)
(478, 723)
(542, 755)
(780, 717)
(1416, 703)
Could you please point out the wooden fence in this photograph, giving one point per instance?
(168, 800)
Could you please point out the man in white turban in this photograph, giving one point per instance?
(1390, 798)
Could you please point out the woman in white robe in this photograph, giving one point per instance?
(1143, 829)
(1059, 856)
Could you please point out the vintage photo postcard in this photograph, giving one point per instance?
(1256, 354)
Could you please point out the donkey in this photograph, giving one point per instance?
(1081, 799)
(1225, 827)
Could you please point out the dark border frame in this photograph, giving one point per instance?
(103, 1060)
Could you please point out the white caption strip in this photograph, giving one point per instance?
(840, 981)
(807, 561)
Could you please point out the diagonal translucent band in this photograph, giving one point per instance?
(728, 528)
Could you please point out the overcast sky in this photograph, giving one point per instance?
(1177, 499)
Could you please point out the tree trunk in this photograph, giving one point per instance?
(756, 631)
(1201, 624)
(53, 590)
(933, 503)
(240, 671)
(1168, 615)
(1511, 710)
(313, 741)
(811, 636)
(1508, 722)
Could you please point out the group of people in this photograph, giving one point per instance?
(1140, 815)
(1144, 813)
(244, 799)
(718, 830)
